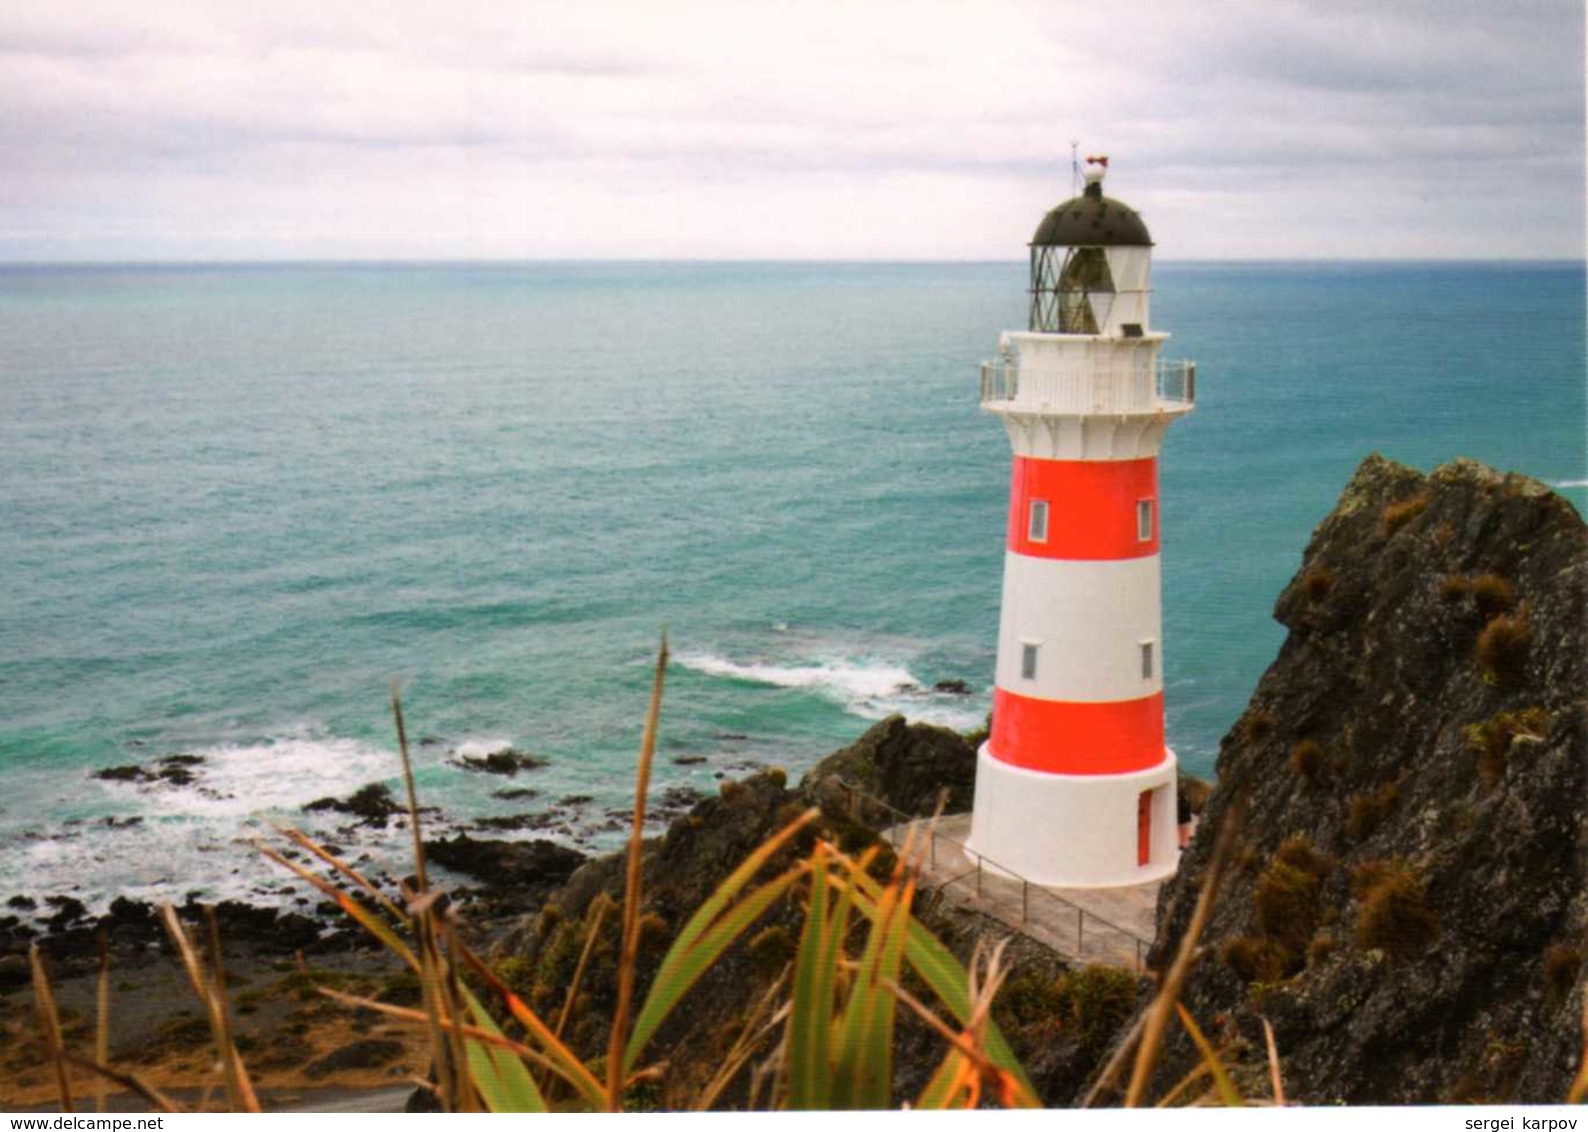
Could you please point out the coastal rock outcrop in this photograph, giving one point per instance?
(907, 766)
(1408, 899)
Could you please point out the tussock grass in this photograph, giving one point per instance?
(1502, 647)
(1397, 515)
(1393, 914)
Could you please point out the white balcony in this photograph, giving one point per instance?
(1089, 390)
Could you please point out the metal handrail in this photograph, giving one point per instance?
(1026, 886)
(1170, 384)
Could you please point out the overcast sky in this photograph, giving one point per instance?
(682, 129)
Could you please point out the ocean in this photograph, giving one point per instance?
(238, 502)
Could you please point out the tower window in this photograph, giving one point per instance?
(1146, 660)
(1144, 520)
(1037, 523)
(1028, 661)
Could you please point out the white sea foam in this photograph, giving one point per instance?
(871, 689)
(479, 748)
(236, 781)
(845, 680)
(1570, 483)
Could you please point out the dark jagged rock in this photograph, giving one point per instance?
(525, 868)
(371, 804)
(906, 765)
(1409, 902)
(952, 687)
(507, 761)
(172, 770)
(68, 910)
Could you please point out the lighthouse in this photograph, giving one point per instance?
(1075, 785)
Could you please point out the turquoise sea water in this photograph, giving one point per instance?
(237, 502)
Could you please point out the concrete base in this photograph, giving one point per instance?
(1075, 831)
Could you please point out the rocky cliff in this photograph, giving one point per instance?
(1409, 901)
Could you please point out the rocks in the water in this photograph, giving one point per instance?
(68, 910)
(520, 867)
(507, 761)
(371, 804)
(952, 687)
(366, 1053)
(172, 770)
(25, 903)
(688, 760)
(543, 820)
(906, 765)
(1409, 901)
(516, 794)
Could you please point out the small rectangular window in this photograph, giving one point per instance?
(1037, 525)
(1028, 662)
(1144, 520)
(1146, 660)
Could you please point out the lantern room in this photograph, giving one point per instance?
(1090, 266)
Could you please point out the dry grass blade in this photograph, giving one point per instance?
(601, 903)
(1273, 1063)
(1116, 1063)
(1161, 1010)
(763, 1021)
(357, 912)
(304, 841)
(50, 1027)
(102, 1019)
(239, 1090)
(1184, 1085)
(631, 891)
(236, 1072)
(1579, 1088)
(452, 1001)
(129, 1081)
(413, 794)
(1210, 1057)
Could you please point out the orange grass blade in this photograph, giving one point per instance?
(1579, 1088)
(50, 1026)
(617, 1064)
(359, 914)
(1273, 1064)
(304, 841)
(558, 1057)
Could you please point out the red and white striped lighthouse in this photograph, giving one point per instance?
(1075, 785)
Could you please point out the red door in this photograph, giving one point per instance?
(1144, 827)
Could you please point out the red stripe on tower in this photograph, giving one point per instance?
(1084, 509)
(1077, 738)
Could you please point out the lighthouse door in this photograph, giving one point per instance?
(1144, 827)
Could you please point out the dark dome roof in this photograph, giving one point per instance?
(1090, 220)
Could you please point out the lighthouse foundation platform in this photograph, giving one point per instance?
(1076, 831)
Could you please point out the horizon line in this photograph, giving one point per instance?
(525, 261)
